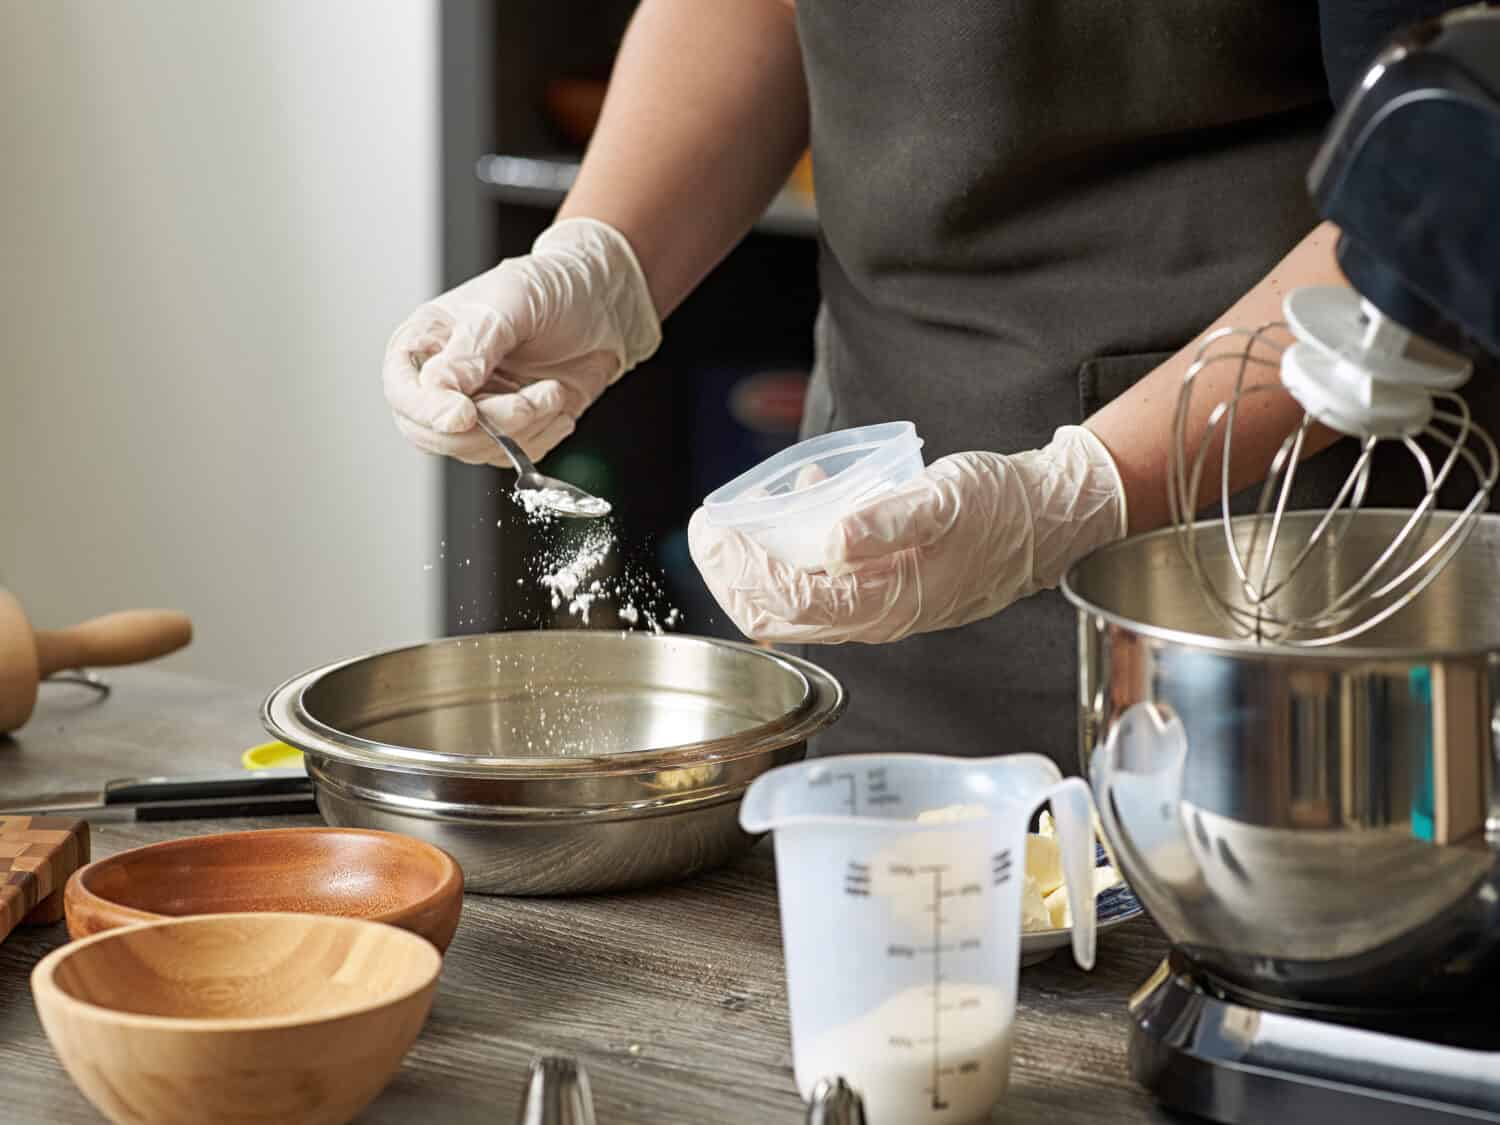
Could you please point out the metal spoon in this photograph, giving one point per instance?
(536, 490)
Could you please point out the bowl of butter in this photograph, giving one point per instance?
(1046, 922)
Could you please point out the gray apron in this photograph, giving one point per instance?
(1026, 206)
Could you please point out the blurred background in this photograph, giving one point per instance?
(214, 214)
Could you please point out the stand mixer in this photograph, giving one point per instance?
(1411, 174)
(1290, 719)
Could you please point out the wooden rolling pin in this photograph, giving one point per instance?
(28, 657)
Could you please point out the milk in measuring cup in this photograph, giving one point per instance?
(897, 1069)
(942, 1046)
(902, 932)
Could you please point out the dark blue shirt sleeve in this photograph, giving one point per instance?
(1354, 31)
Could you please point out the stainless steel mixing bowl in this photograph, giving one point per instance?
(555, 762)
(1312, 827)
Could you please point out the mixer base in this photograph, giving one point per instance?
(1200, 1052)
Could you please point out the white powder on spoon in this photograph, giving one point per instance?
(551, 503)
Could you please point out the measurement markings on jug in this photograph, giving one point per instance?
(953, 1007)
(877, 789)
(1000, 867)
(857, 879)
(937, 981)
(826, 780)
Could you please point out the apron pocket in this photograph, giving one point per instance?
(1105, 378)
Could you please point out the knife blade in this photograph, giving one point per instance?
(186, 797)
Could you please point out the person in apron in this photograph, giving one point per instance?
(1030, 209)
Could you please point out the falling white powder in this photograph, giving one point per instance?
(576, 562)
(566, 582)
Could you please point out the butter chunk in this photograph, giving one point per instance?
(1044, 862)
(952, 814)
(1034, 914)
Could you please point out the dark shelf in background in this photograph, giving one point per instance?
(543, 181)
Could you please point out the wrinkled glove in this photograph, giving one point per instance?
(962, 541)
(532, 343)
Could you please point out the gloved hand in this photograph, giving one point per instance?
(532, 343)
(962, 541)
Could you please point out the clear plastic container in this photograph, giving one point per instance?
(789, 503)
(902, 935)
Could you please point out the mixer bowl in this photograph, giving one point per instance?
(1314, 828)
(555, 762)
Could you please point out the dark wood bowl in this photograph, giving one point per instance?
(351, 872)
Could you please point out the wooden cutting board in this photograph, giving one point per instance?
(37, 854)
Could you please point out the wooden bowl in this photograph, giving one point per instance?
(298, 1019)
(354, 872)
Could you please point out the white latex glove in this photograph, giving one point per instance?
(962, 541)
(532, 343)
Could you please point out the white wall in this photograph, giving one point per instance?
(212, 215)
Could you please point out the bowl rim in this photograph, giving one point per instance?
(450, 874)
(282, 716)
(44, 982)
(1345, 653)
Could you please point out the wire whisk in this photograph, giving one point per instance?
(1366, 377)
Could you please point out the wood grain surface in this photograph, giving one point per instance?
(37, 854)
(674, 999)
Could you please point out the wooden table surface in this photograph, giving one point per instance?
(673, 998)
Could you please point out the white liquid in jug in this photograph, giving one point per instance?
(926, 1054)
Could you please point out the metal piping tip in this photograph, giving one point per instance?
(557, 1093)
(834, 1102)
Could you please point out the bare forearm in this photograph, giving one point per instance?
(1137, 427)
(706, 114)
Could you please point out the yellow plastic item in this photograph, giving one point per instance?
(270, 756)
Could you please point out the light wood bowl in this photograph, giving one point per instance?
(353, 872)
(297, 1019)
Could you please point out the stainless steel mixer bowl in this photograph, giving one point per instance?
(1312, 827)
(555, 762)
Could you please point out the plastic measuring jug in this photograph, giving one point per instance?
(900, 882)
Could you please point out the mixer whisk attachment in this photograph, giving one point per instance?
(1364, 376)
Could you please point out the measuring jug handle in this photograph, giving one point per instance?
(1073, 814)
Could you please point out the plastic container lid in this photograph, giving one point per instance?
(789, 502)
